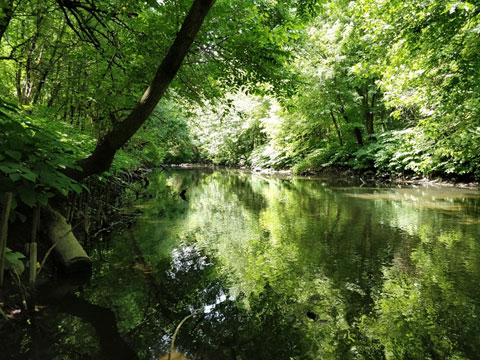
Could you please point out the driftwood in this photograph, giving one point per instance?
(69, 252)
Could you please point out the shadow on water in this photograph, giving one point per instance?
(103, 320)
(57, 298)
(246, 266)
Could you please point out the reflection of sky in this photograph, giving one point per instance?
(423, 197)
(222, 297)
(186, 258)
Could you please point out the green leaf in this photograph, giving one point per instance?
(14, 154)
(77, 188)
(29, 175)
(28, 195)
(13, 261)
(7, 168)
(14, 176)
(43, 198)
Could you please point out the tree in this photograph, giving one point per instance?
(102, 157)
(6, 12)
(101, 54)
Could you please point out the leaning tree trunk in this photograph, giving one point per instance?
(102, 157)
(68, 249)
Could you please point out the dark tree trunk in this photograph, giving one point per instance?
(369, 122)
(367, 108)
(358, 135)
(356, 130)
(6, 13)
(102, 157)
(337, 128)
(369, 116)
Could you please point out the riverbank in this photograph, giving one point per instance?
(369, 177)
(87, 218)
(359, 177)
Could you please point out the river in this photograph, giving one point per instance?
(249, 266)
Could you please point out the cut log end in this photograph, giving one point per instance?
(68, 250)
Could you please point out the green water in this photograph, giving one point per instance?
(288, 268)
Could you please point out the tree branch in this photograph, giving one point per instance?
(102, 157)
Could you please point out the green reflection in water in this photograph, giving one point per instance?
(382, 273)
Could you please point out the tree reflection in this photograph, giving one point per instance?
(250, 256)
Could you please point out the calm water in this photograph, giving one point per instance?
(262, 267)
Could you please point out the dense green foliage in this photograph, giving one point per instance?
(76, 69)
(32, 154)
(383, 86)
(387, 87)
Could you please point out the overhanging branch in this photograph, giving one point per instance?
(102, 157)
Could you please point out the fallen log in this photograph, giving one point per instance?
(70, 253)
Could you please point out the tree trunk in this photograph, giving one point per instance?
(369, 122)
(358, 135)
(337, 129)
(369, 116)
(356, 130)
(49, 66)
(102, 157)
(69, 251)
(6, 14)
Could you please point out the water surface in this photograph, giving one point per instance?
(263, 267)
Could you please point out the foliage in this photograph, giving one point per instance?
(165, 138)
(271, 157)
(392, 84)
(227, 134)
(419, 151)
(32, 154)
(86, 64)
(13, 261)
(376, 86)
(330, 156)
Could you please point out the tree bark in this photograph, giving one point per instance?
(358, 135)
(337, 128)
(369, 116)
(6, 14)
(69, 252)
(102, 157)
(367, 108)
(356, 130)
